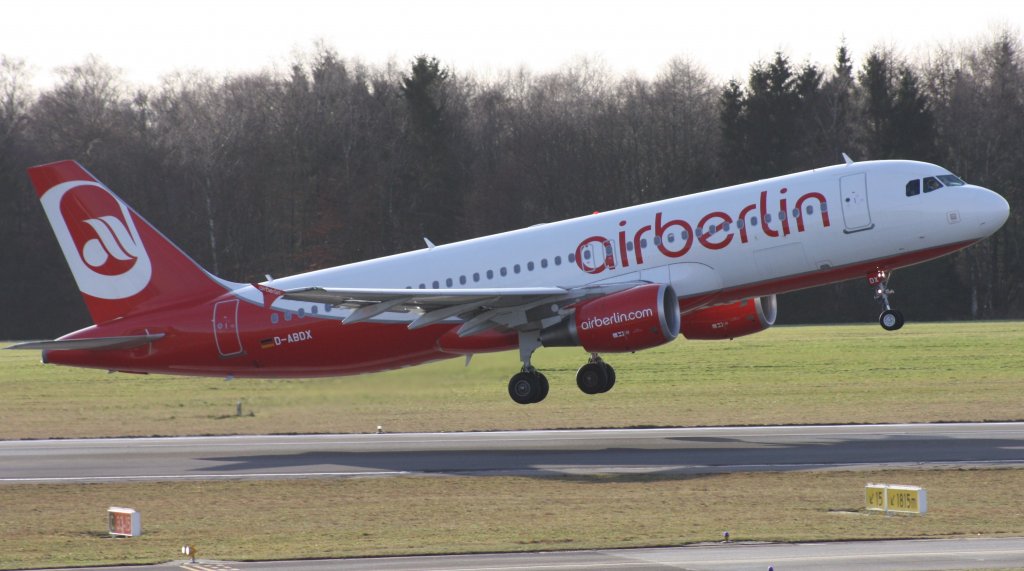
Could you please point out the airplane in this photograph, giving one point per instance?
(707, 266)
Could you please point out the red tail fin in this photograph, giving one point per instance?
(122, 264)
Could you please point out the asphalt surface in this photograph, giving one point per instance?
(1003, 553)
(532, 453)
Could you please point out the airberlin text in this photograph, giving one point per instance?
(616, 319)
(715, 231)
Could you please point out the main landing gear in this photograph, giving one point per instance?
(529, 386)
(596, 376)
(890, 319)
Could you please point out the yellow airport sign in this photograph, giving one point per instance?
(893, 498)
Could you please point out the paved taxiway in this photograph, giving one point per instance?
(1001, 553)
(533, 453)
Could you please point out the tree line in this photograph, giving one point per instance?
(336, 160)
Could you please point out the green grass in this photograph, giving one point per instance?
(54, 525)
(924, 373)
(835, 374)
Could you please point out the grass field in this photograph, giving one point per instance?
(786, 375)
(55, 525)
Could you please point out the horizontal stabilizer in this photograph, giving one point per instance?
(94, 344)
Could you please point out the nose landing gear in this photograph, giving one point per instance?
(890, 319)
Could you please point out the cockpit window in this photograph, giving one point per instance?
(914, 187)
(931, 183)
(951, 180)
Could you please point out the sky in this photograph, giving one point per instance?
(148, 39)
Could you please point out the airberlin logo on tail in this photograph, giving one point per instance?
(99, 239)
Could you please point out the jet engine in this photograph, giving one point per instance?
(638, 318)
(732, 320)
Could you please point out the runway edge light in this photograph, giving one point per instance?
(124, 522)
(894, 498)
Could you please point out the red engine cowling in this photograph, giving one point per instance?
(638, 318)
(733, 320)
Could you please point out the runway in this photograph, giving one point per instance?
(1001, 553)
(532, 453)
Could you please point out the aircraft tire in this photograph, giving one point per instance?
(891, 319)
(610, 375)
(542, 387)
(528, 388)
(592, 378)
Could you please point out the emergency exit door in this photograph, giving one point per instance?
(853, 195)
(225, 328)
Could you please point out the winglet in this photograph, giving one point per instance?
(270, 294)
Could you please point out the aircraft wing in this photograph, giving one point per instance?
(482, 309)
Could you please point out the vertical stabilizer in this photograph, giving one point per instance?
(122, 265)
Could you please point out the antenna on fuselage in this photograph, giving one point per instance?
(430, 245)
(847, 159)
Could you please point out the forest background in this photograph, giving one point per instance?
(335, 160)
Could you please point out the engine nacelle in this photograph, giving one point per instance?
(733, 320)
(638, 318)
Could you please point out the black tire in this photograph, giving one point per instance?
(891, 319)
(542, 387)
(592, 378)
(609, 372)
(523, 388)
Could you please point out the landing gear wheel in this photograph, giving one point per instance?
(891, 319)
(592, 378)
(528, 387)
(610, 373)
(542, 387)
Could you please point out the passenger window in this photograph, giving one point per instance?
(558, 260)
(810, 209)
(436, 284)
(448, 282)
(931, 183)
(543, 262)
(671, 237)
(782, 216)
(739, 224)
(796, 213)
(274, 318)
(476, 276)
(516, 268)
(504, 272)
(529, 266)
(643, 244)
(462, 280)
(423, 286)
(914, 187)
(490, 274)
(767, 218)
(657, 240)
(753, 220)
(629, 246)
(572, 258)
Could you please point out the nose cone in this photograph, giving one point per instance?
(992, 209)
